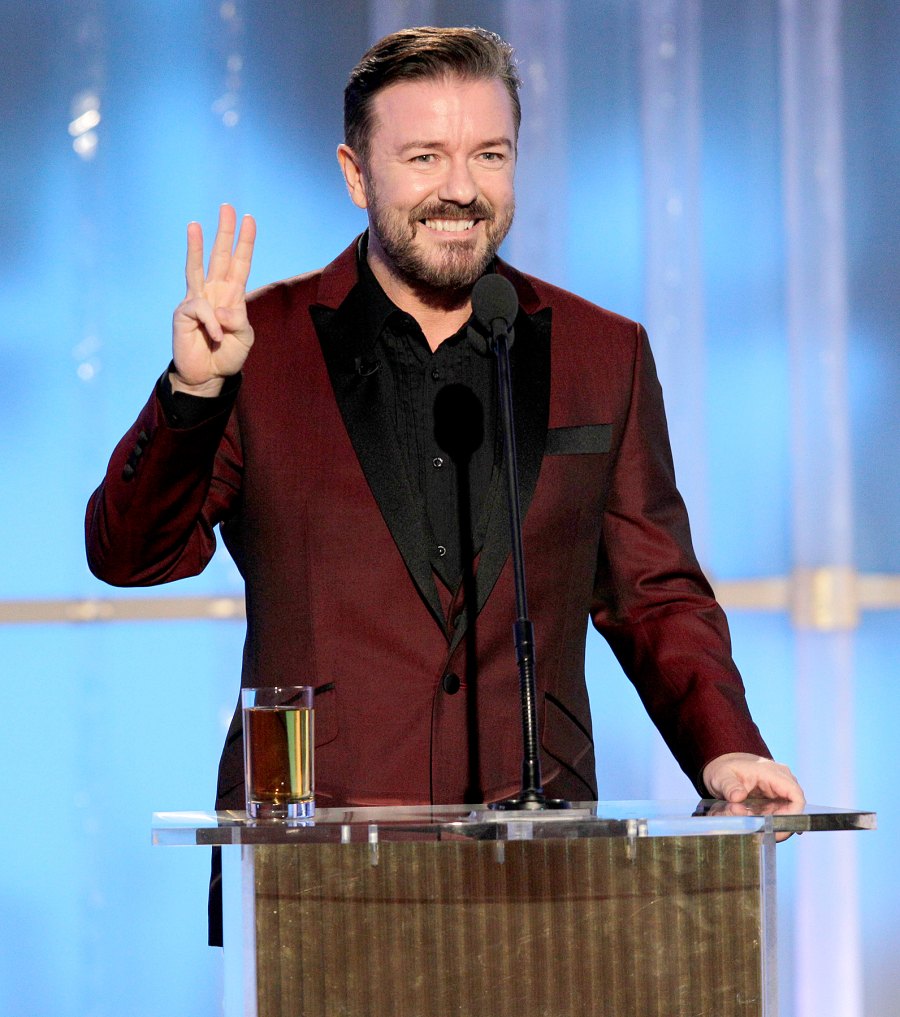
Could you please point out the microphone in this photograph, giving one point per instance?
(494, 305)
(366, 365)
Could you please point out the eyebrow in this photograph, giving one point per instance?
(489, 143)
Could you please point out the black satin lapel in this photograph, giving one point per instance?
(358, 379)
(530, 369)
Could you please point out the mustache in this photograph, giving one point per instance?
(478, 209)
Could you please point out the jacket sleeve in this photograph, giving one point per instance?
(652, 602)
(166, 487)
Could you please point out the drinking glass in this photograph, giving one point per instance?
(278, 751)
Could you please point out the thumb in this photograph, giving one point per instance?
(733, 789)
(231, 319)
(727, 785)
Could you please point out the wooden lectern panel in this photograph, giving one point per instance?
(599, 926)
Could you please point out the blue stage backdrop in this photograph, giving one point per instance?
(725, 172)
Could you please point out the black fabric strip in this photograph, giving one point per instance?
(584, 440)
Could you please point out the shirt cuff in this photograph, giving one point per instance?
(183, 410)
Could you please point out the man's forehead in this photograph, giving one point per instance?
(479, 100)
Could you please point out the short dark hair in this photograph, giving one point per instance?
(423, 53)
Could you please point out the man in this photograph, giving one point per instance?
(352, 461)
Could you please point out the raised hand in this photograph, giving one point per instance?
(211, 335)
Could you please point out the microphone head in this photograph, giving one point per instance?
(493, 298)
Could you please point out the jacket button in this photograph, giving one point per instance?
(450, 683)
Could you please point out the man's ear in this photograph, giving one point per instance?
(352, 168)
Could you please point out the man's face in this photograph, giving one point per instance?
(439, 179)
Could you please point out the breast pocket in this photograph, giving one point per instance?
(586, 439)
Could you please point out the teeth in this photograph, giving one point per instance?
(450, 225)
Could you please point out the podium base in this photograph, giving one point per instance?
(529, 801)
(636, 926)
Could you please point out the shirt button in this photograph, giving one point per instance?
(437, 462)
(441, 550)
(450, 684)
(435, 374)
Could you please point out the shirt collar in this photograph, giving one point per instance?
(378, 305)
(379, 308)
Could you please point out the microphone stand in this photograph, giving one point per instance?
(531, 797)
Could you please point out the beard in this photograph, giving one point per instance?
(451, 266)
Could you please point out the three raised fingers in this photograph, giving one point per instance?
(224, 266)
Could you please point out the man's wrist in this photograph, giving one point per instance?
(207, 390)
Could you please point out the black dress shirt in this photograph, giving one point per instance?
(444, 410)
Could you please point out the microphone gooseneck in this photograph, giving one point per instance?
(494, 307)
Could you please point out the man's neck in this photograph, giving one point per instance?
(439, 317)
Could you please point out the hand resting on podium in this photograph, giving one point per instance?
(737, 776)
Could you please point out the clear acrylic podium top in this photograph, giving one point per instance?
(477, 822)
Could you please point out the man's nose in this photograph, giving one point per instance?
(458, 184)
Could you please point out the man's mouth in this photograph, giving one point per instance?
(449, 225)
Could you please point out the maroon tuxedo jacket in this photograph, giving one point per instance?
(418, 696)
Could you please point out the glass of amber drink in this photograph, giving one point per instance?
(278, 752)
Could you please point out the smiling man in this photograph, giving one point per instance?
(352, 461)
(437, 181)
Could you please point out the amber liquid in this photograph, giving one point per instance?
(278, 747)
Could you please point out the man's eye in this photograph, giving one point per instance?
(424, 158)
(492, 156)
